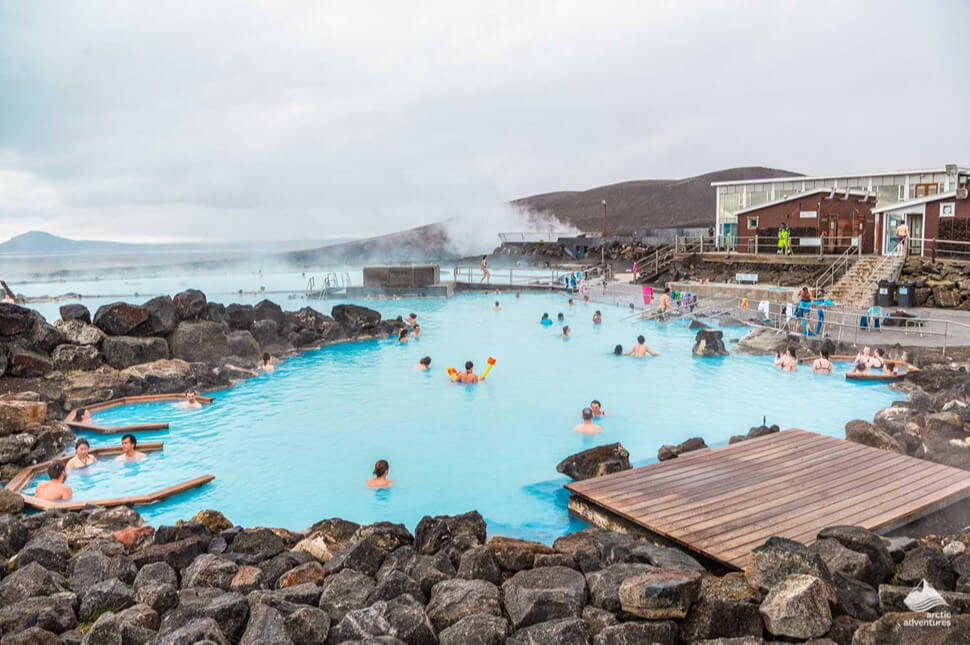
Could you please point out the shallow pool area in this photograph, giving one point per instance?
(293, 447)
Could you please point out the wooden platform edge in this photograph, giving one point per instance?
(133, 500)
(24, 476)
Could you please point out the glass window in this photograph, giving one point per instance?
(753, 222)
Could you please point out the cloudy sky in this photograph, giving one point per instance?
(159, 121)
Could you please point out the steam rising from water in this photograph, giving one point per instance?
(480, 235)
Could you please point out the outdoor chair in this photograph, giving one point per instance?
(874, 318)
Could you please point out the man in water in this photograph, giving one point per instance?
(468, 376)
(560, 318)
(411, 320)
(565, 332)
(55, 489)
(497, 306)
(587, 426)
(82, 455)
(128, 452)
(545, 322)
(597, 408)
(640, 349)
(190, 402)
(664, 305)
(380, 480)
(424, 364)
(571, 303)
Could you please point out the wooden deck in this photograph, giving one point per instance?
(724, 502)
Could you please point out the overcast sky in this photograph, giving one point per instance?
(147, 121)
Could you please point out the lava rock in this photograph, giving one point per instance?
(88, 568)
(108, 595)
(27, 363)
(538, 595)
(123, 351)
(344, 591)
(839, 559)
(434, 533)
(670, 452)
(778, 558)
(54, 613)
(229, 610)
(709, 343)
(27, 581)
(77, 332)
(477, 629)
(856, 598)
(199, 630)
(365, 556)
(190, 304)
(156, 573)
(162, 317)
(595, 462)
(660, 594)
(452, 600)
(798, 607)
(75, 311)
(119, 318)
(209, 570)
(279, 564)
(240, 317)
(159, 596)
(14, 319)
(478, 563)
(566, 631)
(307, 572)
(178, 554)
(633, 633)
(13, 533)
(48, 549)
(727, 607)
(604, 584)
(356, 320)
(67, 358)
(927, 563)
(865, 433)
(199, 342)
(513, 554)
(873, 546)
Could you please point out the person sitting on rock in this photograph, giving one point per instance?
(597, 408)
(860, 367)
(423, 364)
(55, 489)
(597, 317)
(786, 361)
(587, 426)
(82, 455)
(640, 349)
(822, 364)
(81, 415)
(380, 480)
(128, 449)
(190, 402)
(267, 365)
(468, 376)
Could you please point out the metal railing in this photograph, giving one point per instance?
(837, 269)
(801, 245)
(935, 247)
(653, 262)
(535, 236)
(511, 277)
(846, 322)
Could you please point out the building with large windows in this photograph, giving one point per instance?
(833, 212)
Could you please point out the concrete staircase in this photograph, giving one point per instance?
(858, 286)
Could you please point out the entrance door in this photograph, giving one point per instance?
(832, 235)
(915, 223)
(892, 221)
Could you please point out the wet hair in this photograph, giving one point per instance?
(890, 365)
(559, 316)
(825, 354)
(79, 414)
(587, 413)
(381, 468)
(570, 301)
(131, 438)
(403, 334)
(81, 442)
(666, 289)
(860, 366)
(55, 470)
(545, 316)
(618, 350)
(469, 365)
(595, 402)
(791, 352)
(496, 303)
(565, 329)
(879, 352)
(641, 339)
(426, 361)
(266, 357)
(598, 313)
(413, 315)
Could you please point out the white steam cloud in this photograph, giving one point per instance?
(469, 236)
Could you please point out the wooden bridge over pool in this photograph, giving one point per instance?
(723, 502)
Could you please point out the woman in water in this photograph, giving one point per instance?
(822, 364)
(597, 317)
(82, 455)
(545, 321)
(267, 365)
(403, 336)
(416, 331)
(565, 332)
(380, 480)
(423, 364)
(618, 350)
(81, 415)
(787, 361)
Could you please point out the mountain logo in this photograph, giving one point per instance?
(924, 597)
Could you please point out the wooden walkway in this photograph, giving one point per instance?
(724, 502)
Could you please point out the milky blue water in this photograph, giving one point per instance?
(295, 447)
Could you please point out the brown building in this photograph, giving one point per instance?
(938, 223)
(820, 220)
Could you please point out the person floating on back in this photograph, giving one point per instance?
(380, 480)
(55, 489)
(468, 376)
(640, 349)
(128, 449)
(587, 426)
(423, 364)
(82, 455)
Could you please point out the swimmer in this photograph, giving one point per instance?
(864, 356)
(618, 350)
(411, 320)
(587, 426)
(822, 364)
(597, 317)
(640, 349)
(560, 318)
(403, 336)
(585, 298)
(497, 306)
(81, 415)
(545, 321)
(423, 364)
(416, 332)
(565, 332)
(597, 408)
(889, 367)
(55, 489)
(190, 402)
(82, 455)
(786, 361)
(571, 303)
(128, 452)
(267, 365)
(859, 368)
(468, 376)
(380, 480)
(665, 303)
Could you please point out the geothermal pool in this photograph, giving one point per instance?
(295, 447)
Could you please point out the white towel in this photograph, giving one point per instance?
(789, 312)
(763, 308)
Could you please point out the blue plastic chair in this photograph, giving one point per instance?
(874, 318)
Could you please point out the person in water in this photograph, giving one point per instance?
(585, 298)
(618, 350)
(545, 321)
(597, 409)
(267, 365)
(81, 415)
(190, 402)
(423, 364)
(468, 376)
(822, 364)
(665, 304)
(517, 295)
(571, 303)
(587, 426)
(497, 306)
(82, 455)
(860, 367)
(380, 480)
(416, 331)
(640, 349)
(878, 359)
(597, 317)
(560, 318)
(565, 332)
(889, 367)
(55, 489)
(411, 320)
(403, 336)
(864, 356)
(786, 361)
(128, 449)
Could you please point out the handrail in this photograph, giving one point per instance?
(935, 246)
(829, 273)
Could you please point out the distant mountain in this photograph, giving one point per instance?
(40, 242)
(649, 203)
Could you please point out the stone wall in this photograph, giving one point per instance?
(943, 284)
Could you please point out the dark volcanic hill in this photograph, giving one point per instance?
(650, 203)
